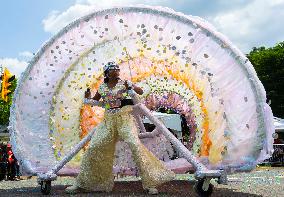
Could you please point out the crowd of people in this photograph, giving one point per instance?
(9, 165)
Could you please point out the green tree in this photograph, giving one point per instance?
(5, 106)
(269, 65)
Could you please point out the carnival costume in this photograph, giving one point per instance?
(118, 124)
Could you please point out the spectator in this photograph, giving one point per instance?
(12, 165)
(3, 163)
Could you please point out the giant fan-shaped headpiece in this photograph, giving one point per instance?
(182, 62)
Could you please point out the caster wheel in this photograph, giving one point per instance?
(200, 191)
(45, 187)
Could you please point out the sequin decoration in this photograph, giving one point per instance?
(180, 61)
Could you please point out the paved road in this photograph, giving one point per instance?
(261, 182)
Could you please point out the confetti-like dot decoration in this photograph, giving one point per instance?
(180, 61)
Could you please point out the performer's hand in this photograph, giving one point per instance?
(126, 84)
(88, 93)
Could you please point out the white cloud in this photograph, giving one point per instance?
(246, 23)
(106, 3)
(56, 20)
(256, 24)
(110, 3)
(26, 54)
(14, 65)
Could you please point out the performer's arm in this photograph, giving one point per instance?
(137, 89)
(92, 101)
(130, 86)
(97, 96)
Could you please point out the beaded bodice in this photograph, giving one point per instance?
(112, 96)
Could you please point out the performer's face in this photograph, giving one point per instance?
(113, 73)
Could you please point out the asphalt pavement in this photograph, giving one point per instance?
(260, 182)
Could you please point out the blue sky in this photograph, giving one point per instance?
(27, 24)
(21, 24)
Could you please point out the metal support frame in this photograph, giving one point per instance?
(139, 109)
(201, 170)
(51, 174)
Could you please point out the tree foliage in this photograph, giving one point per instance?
(5, 106)
(269, 65)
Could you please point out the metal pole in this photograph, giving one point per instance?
(201, 170)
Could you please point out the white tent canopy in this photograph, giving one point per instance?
(279, 124)
(172, 121)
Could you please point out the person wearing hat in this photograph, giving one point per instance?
(11, 164)
(13, 172)
(96, 171)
